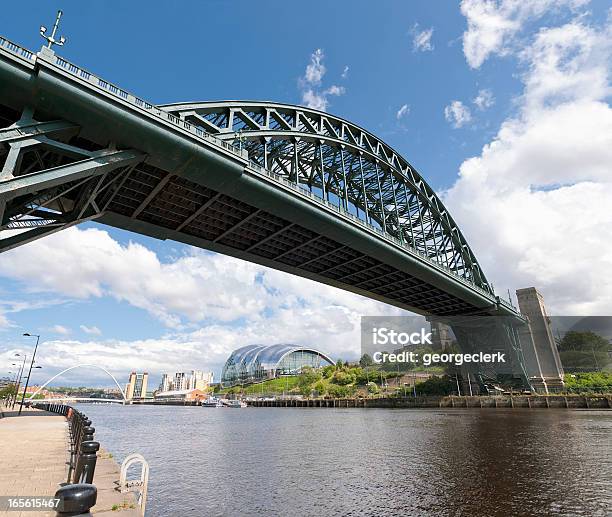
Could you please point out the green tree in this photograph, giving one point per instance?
(328, 371)
(337, 391)
(372, 388)
(320, 388)
(583, 351)
(343, 378)
(435, 386)
(8, 391)
(366, 360)
(588, 341)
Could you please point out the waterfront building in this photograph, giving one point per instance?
(165, 383)
(136, 387)
(181, 395)
(199, 380)
(180, 381)
(254, 363)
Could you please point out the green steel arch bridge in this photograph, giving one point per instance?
(284, 186)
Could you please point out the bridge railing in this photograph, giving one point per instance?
(19, 51)
(124, 95)
(197, 131)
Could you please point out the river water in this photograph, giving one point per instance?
(361, 462)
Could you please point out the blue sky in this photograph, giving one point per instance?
(480, 88)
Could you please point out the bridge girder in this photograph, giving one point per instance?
(343, 164)
(333, 203)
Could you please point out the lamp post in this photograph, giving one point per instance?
(26, 334)
(18, 379)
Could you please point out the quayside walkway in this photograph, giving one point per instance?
(34, 455)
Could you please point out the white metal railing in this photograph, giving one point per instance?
(124, 95)
(17, 50)
(197, 131)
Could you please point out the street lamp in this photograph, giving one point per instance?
(18, 379)
(26, 334)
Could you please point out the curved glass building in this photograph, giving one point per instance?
(253, 363)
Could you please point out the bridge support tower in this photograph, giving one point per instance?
(542, 360)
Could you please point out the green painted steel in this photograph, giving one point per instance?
(287, 167)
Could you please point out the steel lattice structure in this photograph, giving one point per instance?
(345, 165)
(284, 186)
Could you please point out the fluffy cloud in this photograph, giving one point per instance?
(484, 99)
(102, 266)
(93, 331)
(458, 114)
(493, 24)
(421, 39)
(402, 112)
(313, 95)
(535, 204)
(59, 329)
(229, 301)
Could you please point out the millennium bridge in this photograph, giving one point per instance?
(283, 186)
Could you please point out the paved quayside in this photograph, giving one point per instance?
(34, 451)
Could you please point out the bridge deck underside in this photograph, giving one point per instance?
(172, 202)
(167, 200)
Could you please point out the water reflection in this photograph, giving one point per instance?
(300, 462)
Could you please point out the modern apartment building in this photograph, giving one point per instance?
(181, 381)
(136, 387)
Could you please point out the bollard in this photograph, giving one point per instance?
(88, 433)
(76, 499)
(86, 462)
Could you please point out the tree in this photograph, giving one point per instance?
(366, 361)
(435, 386)
(8, 391)
(583, 341)
(583, 351)
(328, 371)
(343, 378)
(337, 391)
(306, 379)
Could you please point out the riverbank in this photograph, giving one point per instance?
(500, 401)
(35, 451)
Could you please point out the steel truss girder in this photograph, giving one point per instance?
(341, 161)
(63, 186)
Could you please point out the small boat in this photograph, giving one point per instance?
(212, 402)
(235, 403)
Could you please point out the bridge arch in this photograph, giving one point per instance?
(85, 365)
(345, 165)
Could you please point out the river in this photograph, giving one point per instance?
(359, 462)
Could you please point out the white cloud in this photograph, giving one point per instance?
(313, 95)
(59, 329)
(421, 39)
(335, 90)
(314, 100)
(458, 114)
(232, 301)
(93, 330)
(493, 25)
(316, 69)
(402, 112)
(484, 99)
(535, 204)
(305, 313)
